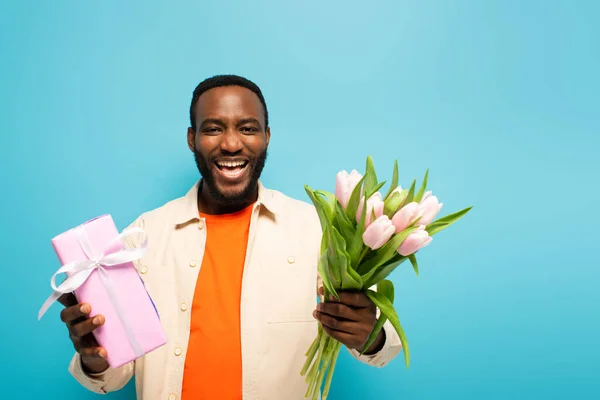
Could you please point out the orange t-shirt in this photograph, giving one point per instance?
(213, 365)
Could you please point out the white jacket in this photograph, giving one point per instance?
(279, 286)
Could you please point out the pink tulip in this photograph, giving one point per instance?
(375, 204)
(429, 207)
(345, 184)
(379, 232)
(415, 241)
(406, 216)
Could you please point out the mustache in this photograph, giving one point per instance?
(255, 163)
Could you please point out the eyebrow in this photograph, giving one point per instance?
(248, 121)
(219, 122)
(212, 121)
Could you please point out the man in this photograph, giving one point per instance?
(232, 269)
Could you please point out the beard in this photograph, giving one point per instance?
(239, 198)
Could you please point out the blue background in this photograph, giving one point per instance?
(498, 98)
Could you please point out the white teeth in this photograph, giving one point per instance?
(231, 164)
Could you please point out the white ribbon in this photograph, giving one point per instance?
(80, 270)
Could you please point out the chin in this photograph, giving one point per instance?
(230, 194)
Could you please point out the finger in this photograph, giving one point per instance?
(93, 352)
(70, 314)
(94, 360)
(89, 340)
(339, 310)
(321, 291)
(333, 323)
(345, 338)
(77, 343)
(88, 326)
(67, 300)
(353, 299)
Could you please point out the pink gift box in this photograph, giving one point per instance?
(135, 303)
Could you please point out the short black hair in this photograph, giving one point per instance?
(221, 81)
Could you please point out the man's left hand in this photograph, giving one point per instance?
(350, 320)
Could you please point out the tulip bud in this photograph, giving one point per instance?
(344, 186)
(406, 216)
(375, 205)
(397, 190)
(379, 232)
(429, 207)
(415, 241)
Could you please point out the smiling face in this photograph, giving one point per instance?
(229, 144)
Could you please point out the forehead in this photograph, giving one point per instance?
(229, 102)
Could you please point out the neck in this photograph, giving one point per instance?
(207, 204)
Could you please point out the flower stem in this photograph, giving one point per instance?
(310, 355)
(326, 358)
(362, 255)
(334, 358)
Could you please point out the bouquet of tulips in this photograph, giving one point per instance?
(365, 237)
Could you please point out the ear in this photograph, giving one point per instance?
(191, 139)
(268, 134)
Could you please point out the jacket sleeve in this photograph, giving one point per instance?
(388, 352)
(112, 379)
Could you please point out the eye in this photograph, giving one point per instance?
(211, 129)
(249, 129)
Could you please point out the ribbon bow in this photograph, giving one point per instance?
(79, 271)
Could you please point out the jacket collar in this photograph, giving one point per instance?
(189, 208)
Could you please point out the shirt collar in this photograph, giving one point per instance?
(189, 208)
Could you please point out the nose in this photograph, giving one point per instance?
(231, 142)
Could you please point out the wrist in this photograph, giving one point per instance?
(377, 344)
(93, 368)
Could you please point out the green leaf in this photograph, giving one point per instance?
(421, 192)
(370, 176)
(357, 244)
(394, 183)
(385, 288)
(373, 336)
(323, 271)
(384, 254)
(327, 201)
(325, 217)
(354, 200)
(330, 281)
(413, 261)
(355, 282)
(331, 200)
(393, 203)
(443, 223)
(375, 190)
(333, 265)
(384, 271)
(350, 280)
(346, 227)
(330, 276)
(411, 193)
(387, 308)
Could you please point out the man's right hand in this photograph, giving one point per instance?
(81, 325)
